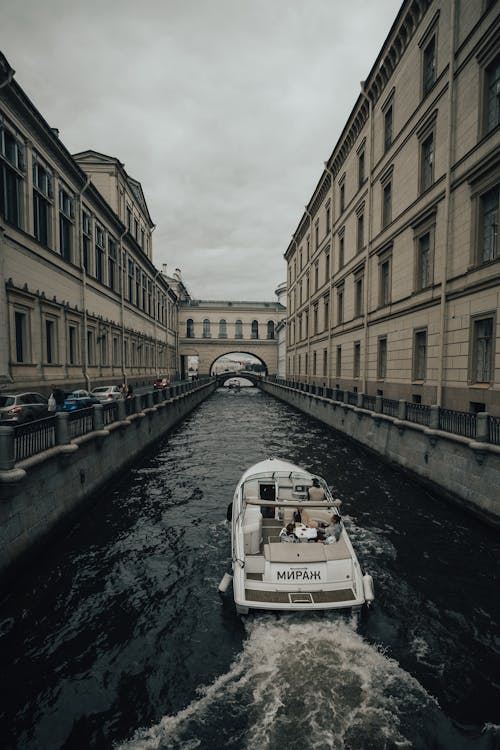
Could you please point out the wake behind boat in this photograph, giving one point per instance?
(274, 503)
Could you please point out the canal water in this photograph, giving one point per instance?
(117, 639)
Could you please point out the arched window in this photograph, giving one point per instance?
(190, 328)
(270, 329)
(206, 329)
(238, 330)
(255, 329)
(222, 329)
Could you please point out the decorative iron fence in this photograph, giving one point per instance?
(459, 422)
(352, 398)
(369, 402)
(494, 430)
(419, 413)
(390, 407)
(34, 437)
(80, 422)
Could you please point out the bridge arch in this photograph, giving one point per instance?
(236, 352)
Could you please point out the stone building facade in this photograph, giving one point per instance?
(81, 301)
(394, 267)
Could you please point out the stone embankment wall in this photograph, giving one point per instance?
(43, 491)
(464, 470)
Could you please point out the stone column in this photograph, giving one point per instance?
(482, 427)
(434, 420)
(62, 428)
(98, 417)
(402, 409)
(7, 449)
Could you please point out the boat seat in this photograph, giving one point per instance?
(289, 553)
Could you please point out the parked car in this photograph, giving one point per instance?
(161, 383)
(107, 393)
(18, 408)
(79, 399)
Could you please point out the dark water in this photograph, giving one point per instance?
(118, 638)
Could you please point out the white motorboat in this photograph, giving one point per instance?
(268, 572)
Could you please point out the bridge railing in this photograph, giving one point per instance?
(446, 420)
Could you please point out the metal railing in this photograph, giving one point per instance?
(390, 407)
(419, 413)
(494, 430)
(80, 422)
(447, 420)
(109, 412)
(459, 422)
(34, 437)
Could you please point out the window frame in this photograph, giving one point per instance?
(473, 349)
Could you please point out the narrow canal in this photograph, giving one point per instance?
(118, 639)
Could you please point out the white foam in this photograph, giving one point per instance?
(314, 678)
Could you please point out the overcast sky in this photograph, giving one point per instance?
(224, 110)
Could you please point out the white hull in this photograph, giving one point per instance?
(271, 575)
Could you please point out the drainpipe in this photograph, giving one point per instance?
(122, 304)
(84, 287)
(309, 299)
(451, 143)
(366, 297)
(330, 280)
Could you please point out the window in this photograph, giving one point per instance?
(326, 308)
(300, 260)
(429, 66)
(361, 168)
(190, 328)
(11, 177)
(137, 286)
(341, 252)
(358, 296)
(492, 81)
(66, 219)
(306, 364)
(316, 234)
(385, 281)
(482, 350)
(90, 348)
(116, 351)
(308, 247)
(387, 204)
(104, 348)
(488, 225)
(356, 367)
(338, 362)
(99, 253)
(206, 329)
(87, 240)
(72, 345)
(255, 330)
(315, 319)
(21, 333)
(270, 329)
(427, 163)
(238, 329)
(130, 274)
(129, 219)
(136, 230)
(315, 361)
(388, 128)
(325, 362)
(327, 266)
(42, 202)
(306, 324)
(222, 329)
(112, 257)
(342, 197)
(316, 276)
(328, 218)
(382, 358)
(360, 232)
(340, 305)
(420, 355)
(142, 238)
(50, 341)
(307, 286)
(423, 261)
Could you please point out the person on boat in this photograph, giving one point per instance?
(333, 531)
(316, 493)
(287, 533)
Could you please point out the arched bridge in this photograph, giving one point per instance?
(222, 377)
(208, 329)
